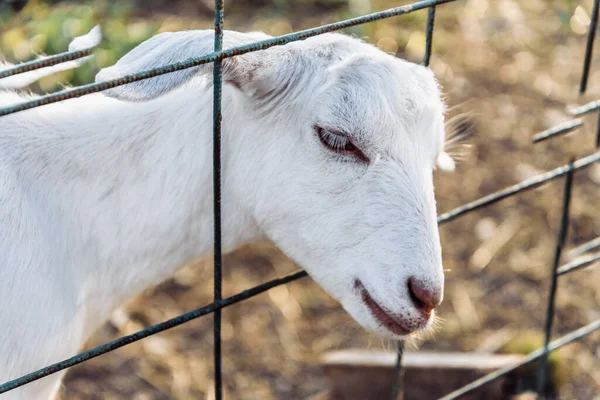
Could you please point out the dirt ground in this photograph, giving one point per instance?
(509, 69)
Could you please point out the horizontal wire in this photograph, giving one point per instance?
(519, 187)
(579, 263)
(125, 340)
(586, 108)
(533, 356)
(584, 248)
(560, 129)
(45, 62)
(217, 56)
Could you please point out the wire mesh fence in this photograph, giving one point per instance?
(567, 171)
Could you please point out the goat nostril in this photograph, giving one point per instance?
(424, 298)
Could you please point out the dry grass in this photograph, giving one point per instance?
(513, 67)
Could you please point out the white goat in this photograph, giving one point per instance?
(328, 150)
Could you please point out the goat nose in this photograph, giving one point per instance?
(424, 297)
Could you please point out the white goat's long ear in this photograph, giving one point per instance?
(172, 47)
(87, 41)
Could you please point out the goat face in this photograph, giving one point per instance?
(332, 155)
(345, 181)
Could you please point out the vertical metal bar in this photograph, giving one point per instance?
(428, 42)
(398, 369)
(429, 35)
(400, 347)
(217, 92)
(589, 47)
(398, 391)
(598, 130)
(562, 236)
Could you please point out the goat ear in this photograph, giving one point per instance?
(173, 47)
(87, 41)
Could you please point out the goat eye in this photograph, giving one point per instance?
(339, 143)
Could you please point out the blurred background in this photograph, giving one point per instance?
(509, 69)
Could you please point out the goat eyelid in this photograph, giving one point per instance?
(339, 143)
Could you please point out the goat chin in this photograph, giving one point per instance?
(328, 150)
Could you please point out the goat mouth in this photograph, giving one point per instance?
(392, 324)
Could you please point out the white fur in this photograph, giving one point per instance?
(104, 195)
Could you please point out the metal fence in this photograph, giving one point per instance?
(219, 303)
